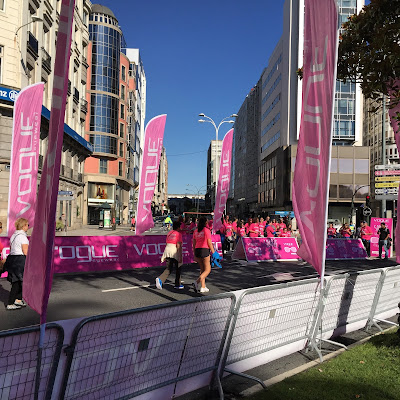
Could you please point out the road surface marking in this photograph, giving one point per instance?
(126, 288)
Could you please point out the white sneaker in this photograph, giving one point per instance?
(13, 307)
(158, 283)
(204, 289)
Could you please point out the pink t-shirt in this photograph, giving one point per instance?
(261, 226)
(285, 234)
(253, 227)
(242, 231)
(201, 238)
(270, 231)
(228, 228)
(282, 225)
(331, 232)
(234, 226)
(174, 237)
(345, 232)
(364, 231)
(192, 227)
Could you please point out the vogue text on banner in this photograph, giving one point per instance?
(311, 175)
(109, 253)
(38, 273)
(224, 179)
(24, 155)
(153, 142)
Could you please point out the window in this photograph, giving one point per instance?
(121, 130)
(103, 166)
(121, 149)
(123, 72)
(122, 115)
(120, 168)
(2, 5)
(122, 92)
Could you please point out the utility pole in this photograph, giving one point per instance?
(383, 213)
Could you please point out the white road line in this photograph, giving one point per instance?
(125, 288)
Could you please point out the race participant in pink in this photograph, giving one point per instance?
(253, 229)
(202, 246)
(366, 235)
(261, 226)
(247, 225)
(192, 226)
(275, 224)
(281, 224)
(285, 233)
(173, 255)
(234, 226)
(331, 232)
(241, 231)
(228, 233)
(269, 230)
(345, 231)
(210, 224)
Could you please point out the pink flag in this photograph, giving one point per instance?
(24, 155)
(38, 273)
(224, 179)
(153, 142)
(311, 176)
(394, 113)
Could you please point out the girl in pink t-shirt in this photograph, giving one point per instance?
(202, 246)
(253, 229)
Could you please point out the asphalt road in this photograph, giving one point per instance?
(87, 294)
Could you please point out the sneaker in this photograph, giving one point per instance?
(20, 303)
(204, 289)
(158, 283)
(195, 286)
(13, 307)
(179, 287)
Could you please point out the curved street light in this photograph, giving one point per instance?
(212, 122)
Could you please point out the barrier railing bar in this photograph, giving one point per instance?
(57, 353)
(69, 350)
(235, 318)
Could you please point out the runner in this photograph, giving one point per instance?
(366, 235)
(133, 222)
(167, 222)
(202, 246)
(173, 255)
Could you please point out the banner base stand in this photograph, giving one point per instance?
(253, 378)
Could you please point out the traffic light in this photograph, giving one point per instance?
(367, 200)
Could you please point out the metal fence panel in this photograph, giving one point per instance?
(349, 299)
(390, 294)
(270, 317)
(18, 355)
(125, 354)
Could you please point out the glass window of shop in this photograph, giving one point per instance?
(100, 191)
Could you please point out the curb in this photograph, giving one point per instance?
(279, 378)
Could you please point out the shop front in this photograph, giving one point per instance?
(100, 203)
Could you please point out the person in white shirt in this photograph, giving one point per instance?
(15, 263)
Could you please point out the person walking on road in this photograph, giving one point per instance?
(202, 245)
(384, 235)
(366, 235)
(15, 263)
(173, 255)
(133, 222)
(168, 222)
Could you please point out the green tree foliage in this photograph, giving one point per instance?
(369, 49)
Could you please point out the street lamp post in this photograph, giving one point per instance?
(225, 120)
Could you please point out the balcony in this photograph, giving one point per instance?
(84, 109)
(69, 87)
(84, 62)
(76, 96)
(46, 61)
(33, 46)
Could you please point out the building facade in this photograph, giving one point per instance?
(213, 164)
(246, 155)
(160, 199)
(27, 48)
(111, 94)
(281, 102)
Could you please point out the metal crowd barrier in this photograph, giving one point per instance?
(267, 318)
(125, 354)
(18, 357)
(387, 297)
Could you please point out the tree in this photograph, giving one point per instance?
(369, 50)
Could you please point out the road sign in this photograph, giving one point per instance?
(386, 197)
(387, 178)
(387, 191)
(367, 211)
(386, 184)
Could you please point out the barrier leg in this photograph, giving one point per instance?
(253, 378)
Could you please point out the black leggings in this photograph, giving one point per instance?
(15, 292)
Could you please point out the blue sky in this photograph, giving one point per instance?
(199, 57)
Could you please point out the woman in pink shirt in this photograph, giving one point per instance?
(192, 226)
(261, 227)
(247, 225)
(269, 230)
(331, 231)
(241, 231)
(202, 246)
(253, 229)
(173, 255)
